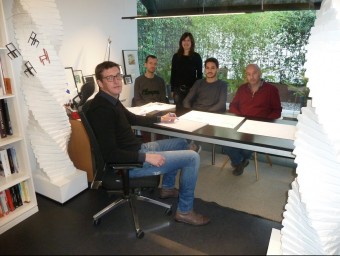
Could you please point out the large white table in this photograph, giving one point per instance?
(231, 137)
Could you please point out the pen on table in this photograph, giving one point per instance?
(172, 114)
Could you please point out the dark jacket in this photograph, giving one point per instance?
(111, 123)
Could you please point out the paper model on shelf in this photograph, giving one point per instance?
(46, 88)
(29, 68)
(33, 38)
(44, 57)
(13, 51)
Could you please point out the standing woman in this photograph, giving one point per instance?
(186, 68)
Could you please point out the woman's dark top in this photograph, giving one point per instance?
(185, 70)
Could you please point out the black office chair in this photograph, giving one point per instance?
(115, 177)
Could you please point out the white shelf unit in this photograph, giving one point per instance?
(17, 140)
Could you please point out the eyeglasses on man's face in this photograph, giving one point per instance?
(111, 78)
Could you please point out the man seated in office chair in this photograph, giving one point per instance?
(210, 93)
(149, 87)
(254, 99)
(111, 123)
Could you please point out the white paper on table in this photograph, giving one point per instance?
(184, 125)
(283, 131)
(137, 110)
(221, 120)
(149, 107)
(160, 106)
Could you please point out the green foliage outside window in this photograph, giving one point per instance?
(276, 41)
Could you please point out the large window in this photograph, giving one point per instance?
(274, 40)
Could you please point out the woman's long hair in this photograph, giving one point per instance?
(181, 49)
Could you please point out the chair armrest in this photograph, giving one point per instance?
(125, 166)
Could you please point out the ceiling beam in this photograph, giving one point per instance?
(164, 11)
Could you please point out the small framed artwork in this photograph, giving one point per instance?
(128, 79)
(78, 77)
(131, 64)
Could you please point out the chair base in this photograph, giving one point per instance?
(131, 199)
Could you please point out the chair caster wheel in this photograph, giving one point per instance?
(96, 222)
(168, 211)
(139, 234)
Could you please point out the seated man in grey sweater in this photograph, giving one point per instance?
(208, 94)
(149, 87)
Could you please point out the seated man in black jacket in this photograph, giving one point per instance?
(111, 123)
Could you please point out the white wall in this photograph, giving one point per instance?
(87, 27)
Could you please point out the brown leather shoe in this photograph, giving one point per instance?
(168, 193)
(192, 218)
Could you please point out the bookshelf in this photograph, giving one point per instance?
(15, 140)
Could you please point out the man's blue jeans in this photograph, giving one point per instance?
(177, 156)
(236, 155)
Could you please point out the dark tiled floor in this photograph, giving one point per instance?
(68, 229)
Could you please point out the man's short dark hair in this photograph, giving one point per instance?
(103, 66)
(214, 60)
(150, 56)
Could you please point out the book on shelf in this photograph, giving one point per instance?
(13, 153)
(14, 197)
(21, 190)
(24, 188)
(8, 85)
(1, 212)
(4, 203)
(18, 194)
(2, 81)
(7, 118)
(9, 200)
(5, 169)
(10, 160)
(3, 133)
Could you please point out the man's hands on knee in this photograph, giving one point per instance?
(155, 159)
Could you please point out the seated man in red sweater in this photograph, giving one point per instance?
(254, 99)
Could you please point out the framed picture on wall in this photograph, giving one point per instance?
(78, 77)
(131, 64)
(128, 79)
